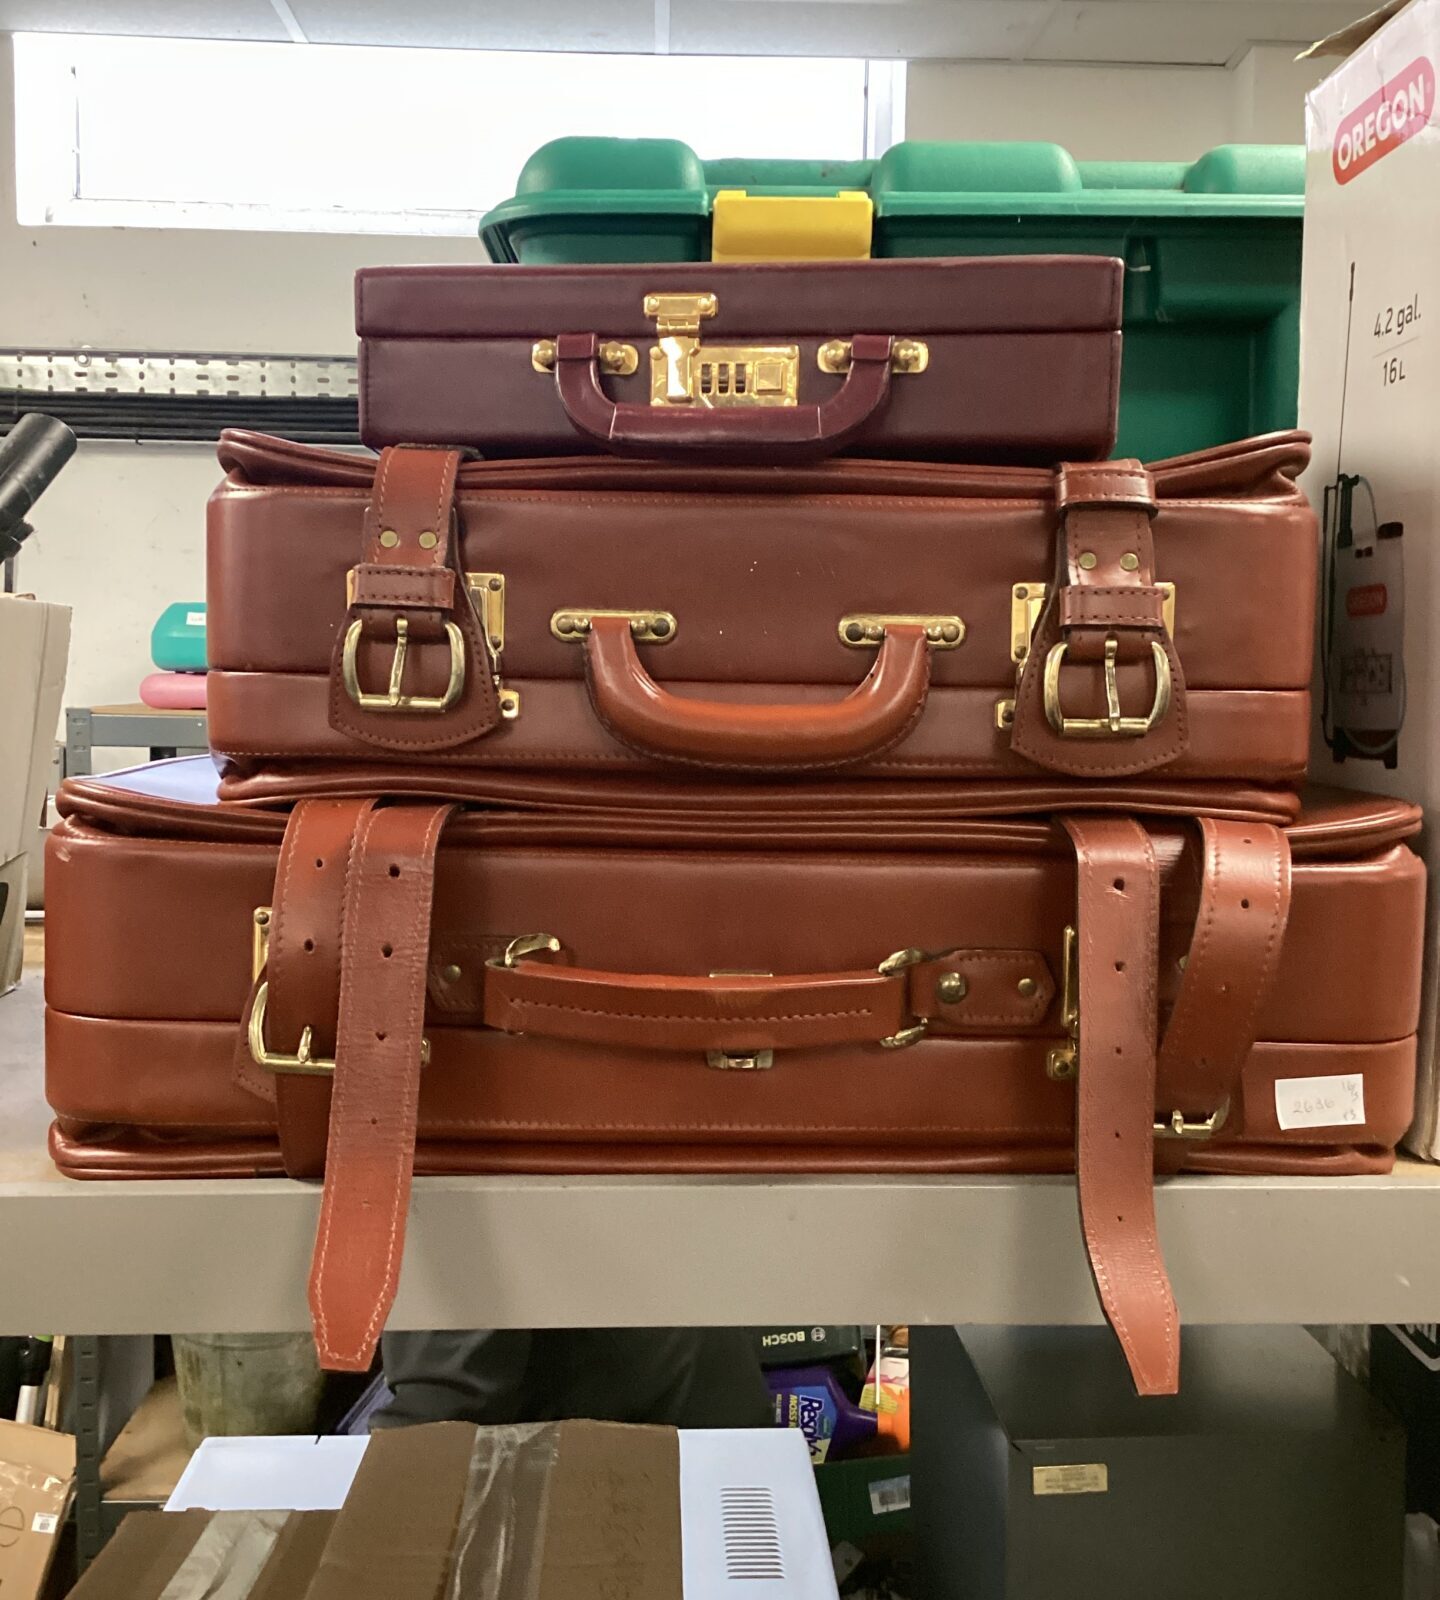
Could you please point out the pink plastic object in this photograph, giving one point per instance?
(174, 691)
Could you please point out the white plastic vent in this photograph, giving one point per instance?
(752, 1535)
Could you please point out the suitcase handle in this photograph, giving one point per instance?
(749, 433)
(878, 713)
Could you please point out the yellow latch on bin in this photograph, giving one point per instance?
(777, 227)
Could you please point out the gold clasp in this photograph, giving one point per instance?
(1179, 1126)
(646, 627)
(393, 699)
(899, 962)
(907, 356)
(1112, 725)
(866, 629)
(685, 373)
(1062, 1061)
(528, 944)
(617, 360)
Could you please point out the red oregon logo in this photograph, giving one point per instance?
(1394, 113)
(1368, 600)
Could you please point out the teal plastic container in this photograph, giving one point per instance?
(1211, 248)
(177, 641)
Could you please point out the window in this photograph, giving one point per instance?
(188, 133)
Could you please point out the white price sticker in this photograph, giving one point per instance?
(889, 1494)
(44, 1522)
(1320, 1102)
(194, 619)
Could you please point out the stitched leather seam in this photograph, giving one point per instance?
(327, 1206)
(404, 1155)
(738, 1021)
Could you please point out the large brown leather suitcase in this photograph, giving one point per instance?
(997, 359)
(693, 980)
(895, 620)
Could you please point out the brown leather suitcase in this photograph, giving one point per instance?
(693, 979)
(894, 620)
(996, 359)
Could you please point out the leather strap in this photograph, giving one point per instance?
(1234, 952)
(740, 1012)
(410, 570)
(683, 1013)
(370, 1157)
(302, 972)
(1118, 929)
(1104, 589)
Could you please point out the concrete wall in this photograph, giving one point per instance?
(1115, 113)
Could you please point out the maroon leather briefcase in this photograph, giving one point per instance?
(694, 979)
(893, 620)
(997, 359)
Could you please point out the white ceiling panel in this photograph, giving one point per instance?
(978, 29)
(610, 25)
(178, 19)
(1168, 31)
(1194, 31)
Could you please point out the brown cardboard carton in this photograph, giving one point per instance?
(37, 1473)
(555, 1511)
(192, 1555)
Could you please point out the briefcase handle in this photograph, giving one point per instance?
(875, 715)
(743, 433)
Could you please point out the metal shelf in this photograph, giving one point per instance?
(536, 1252)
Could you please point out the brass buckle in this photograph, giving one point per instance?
(1027, 603)
(887, 969)
(1179, 1126)
(1112, 725)
(393, 699)
(304, 1062)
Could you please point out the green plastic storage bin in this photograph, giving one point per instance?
(1212, 248)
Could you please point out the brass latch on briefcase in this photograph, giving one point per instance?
(685, 372)
(682, 373)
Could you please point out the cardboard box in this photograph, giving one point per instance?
(555, 1511)
(1039, 1472)
(37, 1475)
(34, 650)
(13, 878)
(247, 1555)
(1369, 392)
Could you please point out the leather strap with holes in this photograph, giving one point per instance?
(370, 1157)
(1231, 963)
(1104, 588)
(410, 568)
(1118, 930)
(302, 973)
